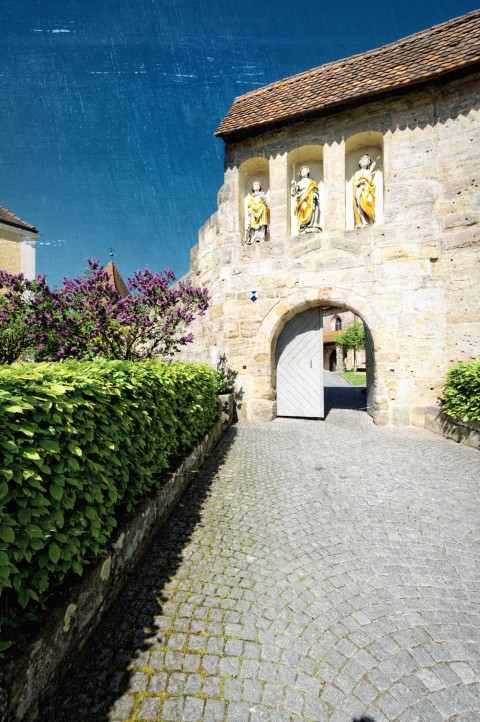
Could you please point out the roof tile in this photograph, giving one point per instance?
(12, 220)
(427, 55)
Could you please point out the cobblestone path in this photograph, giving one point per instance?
(315, 571)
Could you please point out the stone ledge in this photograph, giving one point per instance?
(463, 432)
(35, 671)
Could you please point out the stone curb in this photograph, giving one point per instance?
(463, 432)
(37, 672)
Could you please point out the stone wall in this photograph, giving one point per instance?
(412, 278)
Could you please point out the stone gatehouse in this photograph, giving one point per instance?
(407, 264)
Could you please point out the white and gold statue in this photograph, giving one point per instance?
(364, 191)
(257, 214)
(307, 199)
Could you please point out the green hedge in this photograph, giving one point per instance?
(461, 396)
(81, 443)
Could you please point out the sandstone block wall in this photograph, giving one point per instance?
(413, 278)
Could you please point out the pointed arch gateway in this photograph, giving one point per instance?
(293, 328)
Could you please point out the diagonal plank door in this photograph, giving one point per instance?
(299, 357)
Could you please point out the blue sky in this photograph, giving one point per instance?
(109, 109)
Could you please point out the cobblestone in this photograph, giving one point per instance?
(319, 571)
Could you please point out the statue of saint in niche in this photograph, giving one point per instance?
(307, 197)
(364, 192)
(257, 214)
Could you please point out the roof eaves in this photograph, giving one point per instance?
(20, 226)
(230, 124)
(246, 131)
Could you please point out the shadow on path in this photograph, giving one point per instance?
(345, 397)
(120, 647)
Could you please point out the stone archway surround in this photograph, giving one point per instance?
(264, 407)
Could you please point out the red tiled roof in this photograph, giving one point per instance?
(116, 280)
(11, 220)
(329, 336)
(425, 56)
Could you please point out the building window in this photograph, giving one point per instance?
(338, 324)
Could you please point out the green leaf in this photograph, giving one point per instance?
(7, 534)
(9, 445)
(4, 572)
(24, 515)
(58, 389)
(54, 552)
(73, 464)
(56, 491)
(23, 597)
(32, 455)
(50, 445)
(27, 429)
(73, 449)
(37, 544)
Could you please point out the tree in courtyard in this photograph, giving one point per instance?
(87, 317)
(352, 339)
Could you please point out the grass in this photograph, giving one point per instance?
(356, 379)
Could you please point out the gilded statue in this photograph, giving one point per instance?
(307, 201)
(364, 192)
(257, 214)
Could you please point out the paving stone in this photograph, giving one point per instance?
(318, 585)
(158, 682)
(273, 694)
(238, 712)
(149, 708)
(252, 691)
(172, 709)
(232, 690)
(193, 709)
(138, 682)
(214, 710)
(193, 683)
(176, 683)
(122, 707)
(228, 666)
(294, 701)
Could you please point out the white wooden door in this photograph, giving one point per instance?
(299, 357)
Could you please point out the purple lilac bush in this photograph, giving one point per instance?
(86, 318)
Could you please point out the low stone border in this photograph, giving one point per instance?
(35, 673)
(463, 432)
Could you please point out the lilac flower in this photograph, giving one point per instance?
(86, 317)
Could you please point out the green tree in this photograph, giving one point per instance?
(352, 339)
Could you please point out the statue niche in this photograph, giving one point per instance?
(257, 214)
(364, 192)
(307, 201)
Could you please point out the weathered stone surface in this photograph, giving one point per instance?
(464, 432)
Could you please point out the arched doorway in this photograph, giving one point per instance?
(308, 377)
(299, 364)
(271, 328)
(332, 361)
